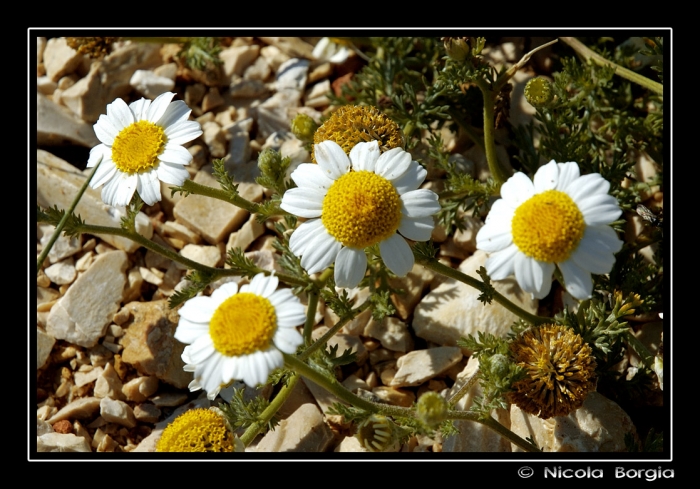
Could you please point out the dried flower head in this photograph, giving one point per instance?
(196, 430)
(352, 124)
(377, 433)
(560, 370)
(95, 47)
(539, 92)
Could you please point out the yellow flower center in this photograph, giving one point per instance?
(548, 226)
(197, 430)
(137, 147)
(244, 323)
(361, 209)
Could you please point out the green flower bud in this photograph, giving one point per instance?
(457, 48)
(539, 92)
(431, 409)
(304, 127)
(270, 163)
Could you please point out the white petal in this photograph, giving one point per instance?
(263, 285)
(303, 202)
(568, 174)
(158, 107)
(148, 187)
(320, 253)
(494, 236)
(229, 369)
(198, 309)
(175, 112)
(187, 332)
(533, 276)
(500, 265)
(183, 132)
(97, 153)
(303, 235)
(393, 164)
(291, 339)
(331, 159)
(546, 177)
(104, 173)
(119, 115)
(172, 173)
(586, 185)
(411, 180)
(105, 130)
(595, 252)
(175, 154)
(578, 282)
(417, 229)
(319, 51)
(599, 209)
(517, 189)
(396, 255)
(350, 267)
(139, 108)
(419, 203)
(201, 350)
(311, 176)
(118, 191)
(219, 295)
(364, 156)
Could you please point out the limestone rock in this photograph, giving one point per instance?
(452, 310)
(149, 344)
(599, 425)
(419, 366)
(303, 431)
(83, 314)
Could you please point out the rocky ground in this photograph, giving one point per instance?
(108, 370)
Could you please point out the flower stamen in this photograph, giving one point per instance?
(548, 227)
(361, 209)
(137, 147)
(244, 323)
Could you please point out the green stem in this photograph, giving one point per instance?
(237, 200)
(62, 222)
(630, 75)
(310, 316)
(495, 426)
(249, 435)
(338, 390)
(454, 399)
(497, 171)
(333, 330)
(436, 266)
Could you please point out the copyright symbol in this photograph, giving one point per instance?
(525, 472)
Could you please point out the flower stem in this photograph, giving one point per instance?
(62, 222)
(436, 266)
(249, 435)
(498, 173)
(237, 200)
(495, 426)
(630, 75)
(310, 316)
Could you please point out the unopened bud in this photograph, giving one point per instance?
(539, 92)
(457, 48)
(431, 409)
(304, 127)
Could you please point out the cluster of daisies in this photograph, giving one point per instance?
(366, 200)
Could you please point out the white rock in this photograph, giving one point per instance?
(205, 255)
(149, 84)
(303, 431)
(119, 412)
(84, 313)
(82, 408)
(140, 388)
(391, 332)
(62, 272)
(108, 384)
(452, 310)
(599, 425)
(236, 59)
(60, 59)
(419, 366)
(44, 345)
(61, 442)
(82, 378)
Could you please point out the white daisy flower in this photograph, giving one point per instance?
(141, 146)
(327, 50)
(355, 202)
(561, 219)
(239, 334)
